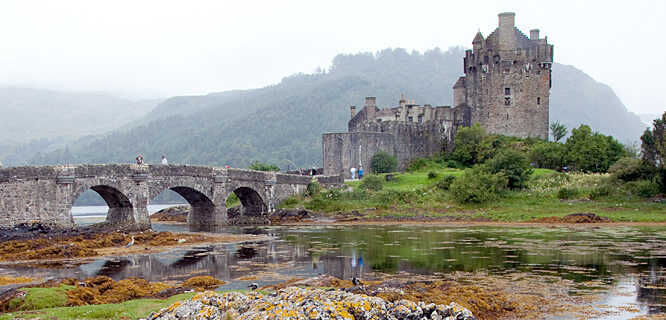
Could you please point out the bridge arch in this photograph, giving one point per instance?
(121, 208)
(202, 207)
(253, 207)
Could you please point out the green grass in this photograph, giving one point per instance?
(134, 309)
(412, 194)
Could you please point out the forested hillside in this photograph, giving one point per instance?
(283, 123)
(37, 120)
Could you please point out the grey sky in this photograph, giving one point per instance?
(164, 48)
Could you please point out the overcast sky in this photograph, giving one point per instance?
(163, 48)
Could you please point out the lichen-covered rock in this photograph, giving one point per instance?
(298, 303)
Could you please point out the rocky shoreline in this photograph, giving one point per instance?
(299, 303)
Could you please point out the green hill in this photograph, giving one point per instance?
(283, 123)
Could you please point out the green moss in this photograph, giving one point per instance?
(133, 309)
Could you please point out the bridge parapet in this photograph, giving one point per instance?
(47, 193)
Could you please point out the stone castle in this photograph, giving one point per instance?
(506, 89)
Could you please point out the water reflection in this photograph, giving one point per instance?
(629, 260)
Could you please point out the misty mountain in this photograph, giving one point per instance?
(283, 123)
(44, 120)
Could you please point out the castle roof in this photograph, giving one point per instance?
(460, 83)
(478, 38)
(522, 40)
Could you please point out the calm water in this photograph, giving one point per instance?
(618, 257)
(85, 215)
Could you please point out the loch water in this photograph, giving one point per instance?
(630, 260)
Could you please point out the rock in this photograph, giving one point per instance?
(299, 303)
(174, 214)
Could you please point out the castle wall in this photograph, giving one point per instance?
(405, 141)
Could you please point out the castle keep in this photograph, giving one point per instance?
(506, 89)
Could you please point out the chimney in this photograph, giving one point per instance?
(370, 107)
(353, 111)
(507, 33)
(370, 101)
(507, 20)
(534, 34)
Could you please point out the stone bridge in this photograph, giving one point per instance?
(46, 194)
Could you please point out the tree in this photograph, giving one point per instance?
(383, 162)
(468, 144)
(477, 185)
(549, 155)
(513, 165)
(593, 152)
(261, 166)
(653, 149)
(558, 130)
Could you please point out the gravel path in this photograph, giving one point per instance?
(297, 303)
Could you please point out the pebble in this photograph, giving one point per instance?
(311, 304)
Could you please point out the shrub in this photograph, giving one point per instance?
(630, 169)
(417, 164)
(432, 175)
(445, 182)
(260, 166)
(454, 164)
(289, 201)
(477, 185)
(391, 197)
(372, 182)
(643, 188)
(568, 193)
(548, 155)
(513, 165)
(468, 144)
(383, 162)
(602, 190)
(313, 188)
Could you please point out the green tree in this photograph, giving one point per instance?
(653, 149)
(549, 155)
(513, 165)
(558, 130)
(383, 162)
(468, 144)
(592, 152)
(261, 166)
(478, 185)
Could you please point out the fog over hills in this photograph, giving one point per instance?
(38, 120)
(283, 123)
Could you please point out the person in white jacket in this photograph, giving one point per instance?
(164, 160)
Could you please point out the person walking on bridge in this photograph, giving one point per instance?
(164, 160)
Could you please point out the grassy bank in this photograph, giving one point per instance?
(422, 193)
(50, 303)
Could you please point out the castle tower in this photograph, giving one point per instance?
(507, 81)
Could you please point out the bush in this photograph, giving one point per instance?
(513, 165)
(630, 169)
(549, 155)
(260, 166)
(417, 164)
(568, 193)
(289, 201)
(372, 182)
(477, 185)
(603, 190)
(467, 148)
(643, 188)
(432, 175)
(392, 197)
(313, 189)
(383, 162)
(454, 164)
(445, 182)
